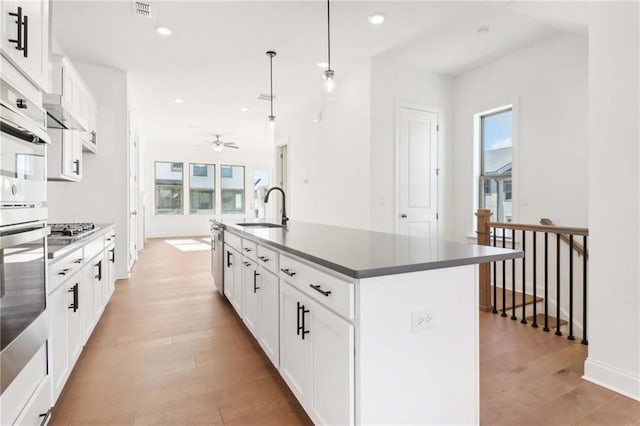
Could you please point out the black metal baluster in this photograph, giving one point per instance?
(535, 282)
(495, 278)
(584, 291)
(513, 278)
(524, 278)
(558, 332)
(504, 279)
(546, 282)
(570, 336)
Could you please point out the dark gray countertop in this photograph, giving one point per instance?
(363, 254)
(57, 248)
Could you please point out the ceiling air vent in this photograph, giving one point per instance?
(143, 9)
(266, 97)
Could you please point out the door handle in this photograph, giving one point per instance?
(76, 163)
(255, 277)
(229, 259)
(320, 290)
(403, 215)
(18, 39)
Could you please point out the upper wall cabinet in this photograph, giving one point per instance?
(25, 38)
(70, 104)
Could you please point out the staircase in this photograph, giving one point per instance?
(547, 288)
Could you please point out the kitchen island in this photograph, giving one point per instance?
(364, 327)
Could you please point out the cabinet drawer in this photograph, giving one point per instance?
(233, 240)
(110, 236)
(64, 268)
(267, 258)
(93, 248)
(249, 248)
(38, 409)
(330, 291)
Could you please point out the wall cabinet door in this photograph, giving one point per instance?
(251, 299)
(295, 347)
(25, 38)
(64, 156)
(269, 315)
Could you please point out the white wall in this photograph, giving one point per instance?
(195, 224)
(396, 79)
(614, 197)
(547, 83)
(102, 195)
(329, 160)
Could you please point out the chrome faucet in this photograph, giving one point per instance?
(285, 219)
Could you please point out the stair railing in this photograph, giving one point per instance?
(529, 273)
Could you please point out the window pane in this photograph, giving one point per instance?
(168, 188)
(497, 131)
(496, 167)
(202, 188)
(232, 189)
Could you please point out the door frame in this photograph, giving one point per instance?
(424, 108)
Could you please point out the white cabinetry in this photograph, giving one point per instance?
(251, 299)
(233, 277)
(25, 38)
(64, 159)
(317, 357)
(70, 103)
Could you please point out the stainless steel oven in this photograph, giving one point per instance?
(23, 294)
(23, 232)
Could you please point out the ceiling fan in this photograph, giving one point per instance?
(218, 144)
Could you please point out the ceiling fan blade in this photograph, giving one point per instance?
(232, 146)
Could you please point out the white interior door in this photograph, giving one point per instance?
(282, 177)
(133, 200)
(417, 173)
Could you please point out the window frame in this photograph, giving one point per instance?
(213, 191)
(242, 191)
(155, 187)
(502, 178)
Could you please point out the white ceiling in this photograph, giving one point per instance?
(215, 60)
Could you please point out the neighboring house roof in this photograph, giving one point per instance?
(498, 161)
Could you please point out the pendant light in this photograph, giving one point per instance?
(329, 74)
(271, 118)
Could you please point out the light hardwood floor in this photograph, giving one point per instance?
(170, 350)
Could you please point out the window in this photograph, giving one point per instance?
(496, 131)
(202, 189)
(232, 189)
(168, 182)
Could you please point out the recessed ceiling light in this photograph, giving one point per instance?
(323, 64)
(377, 18)
(483, 29)
(163, 31)
(244, 109)
(179, 101)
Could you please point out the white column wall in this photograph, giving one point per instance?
(614, 197)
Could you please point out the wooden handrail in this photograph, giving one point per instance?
(564, 237)
(540, 228)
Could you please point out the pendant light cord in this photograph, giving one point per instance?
(271, 81)
(328, 34)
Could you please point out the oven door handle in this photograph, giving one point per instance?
(23, 237)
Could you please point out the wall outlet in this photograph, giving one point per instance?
(422, 321)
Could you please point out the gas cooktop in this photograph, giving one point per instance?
(62, 230)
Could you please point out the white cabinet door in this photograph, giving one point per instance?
(74, 321)
(229, 280)
(59, 306)
(25, 38)
(269, 315)
(251, 299)
(333, 367)
(233, 278)
(110, 271)
(86, 301)
(295, 346)
(64, 156)
(98, 291)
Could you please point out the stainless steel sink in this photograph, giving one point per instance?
(261, 225)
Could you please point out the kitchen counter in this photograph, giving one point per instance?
(58, 247)
(363, 254)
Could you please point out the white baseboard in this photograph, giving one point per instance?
(620, 381)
